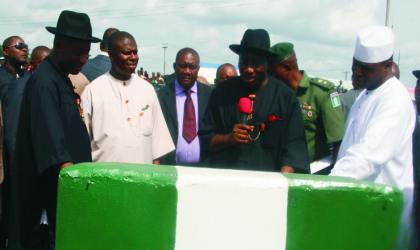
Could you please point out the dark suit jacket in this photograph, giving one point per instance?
(167, 100)
(416, 172)
(96, 67)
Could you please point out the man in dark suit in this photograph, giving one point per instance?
(101, 63)
(184, 101)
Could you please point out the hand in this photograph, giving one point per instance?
(240, 134)
(287, 169)
(66, 165)
(58, 168)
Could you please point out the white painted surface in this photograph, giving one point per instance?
(228, 209)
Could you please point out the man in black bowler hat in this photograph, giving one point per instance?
(273, 137)
(51, 136)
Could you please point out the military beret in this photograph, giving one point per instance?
(416, 73)
(282, 50)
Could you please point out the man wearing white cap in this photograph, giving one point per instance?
(377, 144)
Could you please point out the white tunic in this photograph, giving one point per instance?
(377, 143)
(117, 131)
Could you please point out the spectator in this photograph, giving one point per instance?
(183, 102)
(273, 138)
(224, 72)
(16, 54)
(11, 105)
(159, 78)
(395, 70)
(340, 88)
(377, 145)
(48, 105)
(319, 103)
(122, 112)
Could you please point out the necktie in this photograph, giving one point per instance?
(189, 130)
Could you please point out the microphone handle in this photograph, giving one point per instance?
(243, 118)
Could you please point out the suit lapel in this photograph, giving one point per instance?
(170, 103)
(202, 101)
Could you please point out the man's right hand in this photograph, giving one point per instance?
(240, 134)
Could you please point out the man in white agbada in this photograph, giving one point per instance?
(122, 112)
(377, 144)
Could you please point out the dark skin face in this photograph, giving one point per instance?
(355, 86)
(186, 69)
(253, 69)
(70, 55)
(225, 73)
(15, 57)
(370, 75)
(124, 59)
(287, 71)
(280, 72)
(37, 58)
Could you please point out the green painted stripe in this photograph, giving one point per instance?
(137, 205)
(341, 213)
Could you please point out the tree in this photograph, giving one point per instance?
(1, 51)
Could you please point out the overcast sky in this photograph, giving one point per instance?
(323, 31)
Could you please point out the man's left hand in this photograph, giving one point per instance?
(287, 169)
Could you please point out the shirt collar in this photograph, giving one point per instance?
(179, 89)
(21, 72)
(120, 81)
(103, 53)
(384, 86)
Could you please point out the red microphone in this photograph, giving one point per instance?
(244, 108)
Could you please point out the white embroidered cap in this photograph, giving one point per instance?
(374, 44)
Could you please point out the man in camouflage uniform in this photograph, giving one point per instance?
(319, 101)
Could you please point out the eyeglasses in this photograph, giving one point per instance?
(19, 46)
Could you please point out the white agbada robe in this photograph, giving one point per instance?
(113, 137)
(377, 143)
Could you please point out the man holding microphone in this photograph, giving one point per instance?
(273, 137)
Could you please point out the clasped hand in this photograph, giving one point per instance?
(240, 134)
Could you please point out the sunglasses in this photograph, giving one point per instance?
(20, 46)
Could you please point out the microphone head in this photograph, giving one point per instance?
(244, 105)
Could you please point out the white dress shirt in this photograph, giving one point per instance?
(377, 143)
(114, 138)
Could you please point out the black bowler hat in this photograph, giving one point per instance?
(416, 73)
(257, 41)
(75, 25)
